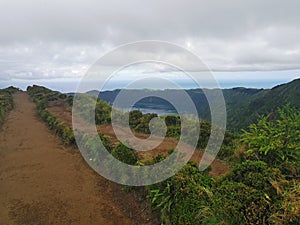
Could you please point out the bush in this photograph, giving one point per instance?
(102, 113)
(255, 174)
(289, 209)
(182, 198)
(67, 135)
(172, 120)
(276, 142)
(125, 154)
(238, 203)
(6, 101)
(135, 118)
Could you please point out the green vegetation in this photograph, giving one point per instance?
(265, 102)
(139, 122)
(125, 154)
(276, 142)
(242, 104)
(6, 101)
(102, 110)
(42, 96)
(62, 130)
(181, 198)
(262, 188)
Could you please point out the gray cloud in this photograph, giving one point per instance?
(51, 39)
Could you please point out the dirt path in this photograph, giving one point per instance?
(44, 182)
(63, 113)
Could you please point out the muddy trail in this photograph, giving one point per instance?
(44, 182)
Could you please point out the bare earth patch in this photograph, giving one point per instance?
(63, 113)
(44, 182)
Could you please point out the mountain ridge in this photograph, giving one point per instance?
(243, 104)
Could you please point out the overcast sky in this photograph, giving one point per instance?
(58, 40)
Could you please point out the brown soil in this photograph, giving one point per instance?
(62, 112)
(44, 182)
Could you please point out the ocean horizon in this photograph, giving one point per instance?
(69, 86)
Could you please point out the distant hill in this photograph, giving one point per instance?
(243, 104)
(266, 102)
(93, 92)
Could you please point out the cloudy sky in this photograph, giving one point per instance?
(55, 42)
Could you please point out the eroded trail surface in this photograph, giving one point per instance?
(44, 182)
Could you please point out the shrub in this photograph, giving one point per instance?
(238, 203)
(172, 120)
(67, 135)
(255, 174)
(134, 118)
(102, 113)
(182, 197)
(289, 208)
(275, 142)
(125, 154)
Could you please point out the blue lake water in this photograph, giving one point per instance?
(158, 111)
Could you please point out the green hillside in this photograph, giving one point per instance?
(243, 105)
(263, 185)
(247, 110)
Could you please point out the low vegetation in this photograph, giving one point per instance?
(42, 96)
(242, 104)
(262, 188)
(6, 101)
